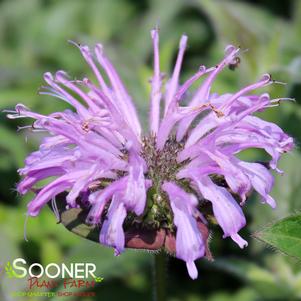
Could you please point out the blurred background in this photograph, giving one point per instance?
(33, 39)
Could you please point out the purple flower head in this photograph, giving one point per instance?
(163, 179)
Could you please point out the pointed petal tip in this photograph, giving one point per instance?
(117, 252)
(202, 69)
(270, 201)
(229, 49)
(239, 240)
(99, 49)
(21, 188)
(61, 76)
(266, 77)
(48, 77)
(183, 41)
(154, 33)
(32, 211)
(192, 270)
(86, 53)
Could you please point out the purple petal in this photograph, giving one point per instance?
(261, 180)
(36, 176)
(173, 84)
(112, 233)
(189, 241)
(135, 193)
(122, 97)
(202, 94)
(50, 191)
(226, 210)
(156, 86)
(100, 198)
(192, 270)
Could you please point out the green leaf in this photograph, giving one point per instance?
(284, 235)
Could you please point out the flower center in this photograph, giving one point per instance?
(162, 164)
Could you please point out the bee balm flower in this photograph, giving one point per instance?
(159, 180)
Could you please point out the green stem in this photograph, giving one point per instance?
(160, 277)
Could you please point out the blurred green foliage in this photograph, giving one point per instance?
(33, 39)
